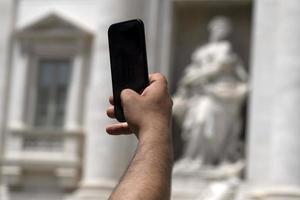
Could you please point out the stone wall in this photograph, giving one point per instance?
(104, 157)
(273, 143)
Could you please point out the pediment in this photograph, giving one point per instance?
(53, 25)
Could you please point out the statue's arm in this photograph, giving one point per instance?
(229, 92)
(241, 72)
(201, 75)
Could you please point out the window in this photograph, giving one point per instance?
(46, 143)
(52, 86)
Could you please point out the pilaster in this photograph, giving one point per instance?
(274, 139)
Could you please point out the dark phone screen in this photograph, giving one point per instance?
(128, 60)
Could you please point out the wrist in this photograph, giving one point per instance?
(155, 133)
(157, 145)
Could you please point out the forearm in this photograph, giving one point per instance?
(149, 174)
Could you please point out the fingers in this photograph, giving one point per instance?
(158, 77)
(128, 95)
(111, 112)
(111, 100)
(158, 82)
(118, 129)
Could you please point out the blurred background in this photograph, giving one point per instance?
(233, 68)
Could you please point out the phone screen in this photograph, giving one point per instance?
(128, 60)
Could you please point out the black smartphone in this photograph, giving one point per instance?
(128, 60)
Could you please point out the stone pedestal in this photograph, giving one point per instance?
(187, 187)
(274, 139)
(207, 183)
(3, 192)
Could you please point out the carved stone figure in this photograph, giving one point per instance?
(208, 101)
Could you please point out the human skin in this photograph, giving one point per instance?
(148, 116)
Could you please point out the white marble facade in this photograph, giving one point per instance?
(273, 136)
(79, 161)
(6, 19)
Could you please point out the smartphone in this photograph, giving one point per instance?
(128, 60)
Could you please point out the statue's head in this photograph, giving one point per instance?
(219, 28)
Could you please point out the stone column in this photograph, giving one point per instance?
(18, 90)
(274, 139)
(105, 157)
(6, 22)
(75, 99)
(285, 154)
(158, 32)
(262, 90)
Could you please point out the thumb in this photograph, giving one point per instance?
(129, 95)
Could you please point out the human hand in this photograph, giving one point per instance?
(150, 110)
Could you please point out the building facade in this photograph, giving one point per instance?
(55, 82)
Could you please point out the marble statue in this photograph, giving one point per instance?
(208, 101)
